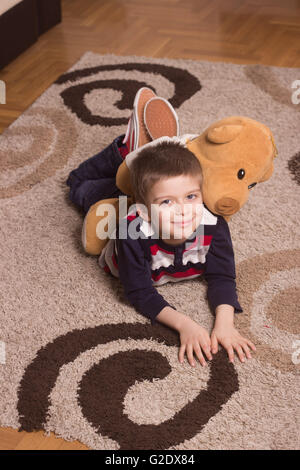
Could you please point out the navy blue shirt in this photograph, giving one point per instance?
(147, 261)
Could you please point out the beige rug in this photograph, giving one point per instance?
(76, 358)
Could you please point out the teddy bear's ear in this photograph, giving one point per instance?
(224, 134)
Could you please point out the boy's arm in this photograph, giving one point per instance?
(135, 275)
(172, 318)
(220, 272)
(224, 315)
(222, 295)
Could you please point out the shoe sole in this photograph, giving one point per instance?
(160, 118)
(142, 97)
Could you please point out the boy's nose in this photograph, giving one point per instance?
(182, 209)
(179, 209)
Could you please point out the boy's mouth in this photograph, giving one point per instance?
(183, 223)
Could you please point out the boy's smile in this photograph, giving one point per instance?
(175, 207)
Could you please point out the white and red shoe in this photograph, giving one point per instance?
(137, 134)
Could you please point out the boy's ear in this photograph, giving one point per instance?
(142, 211)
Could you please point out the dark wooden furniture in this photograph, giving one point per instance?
(23, 23)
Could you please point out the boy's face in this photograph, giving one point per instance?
(177, 207)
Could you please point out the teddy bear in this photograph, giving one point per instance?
(235, 154)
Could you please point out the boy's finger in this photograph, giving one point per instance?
(247, 351)
(189, 353)
(251, 345)
(181, 353)
(199, 355)
(230, 353)
(214, 343)
(206, 349)
(240, 353)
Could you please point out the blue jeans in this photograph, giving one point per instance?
(95, 178)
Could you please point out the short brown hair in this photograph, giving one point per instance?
(165, 160)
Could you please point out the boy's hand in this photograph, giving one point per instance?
(229, 337)
(193, 337)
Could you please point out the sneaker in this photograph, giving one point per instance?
(160, 118)
(136, 134)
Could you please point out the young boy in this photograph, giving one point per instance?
(169, 235)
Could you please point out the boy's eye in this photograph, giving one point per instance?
(165, 201)
(191, 197)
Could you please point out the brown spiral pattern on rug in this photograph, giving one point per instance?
(54, 137)
(266, 80)
(294, 167)
(186, 85)
(252, 275)
(103, 387)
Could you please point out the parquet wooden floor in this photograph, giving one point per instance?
(236, 31)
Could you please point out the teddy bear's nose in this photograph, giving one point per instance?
(227, 206)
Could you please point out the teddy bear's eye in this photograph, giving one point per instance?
(241, 174)
(251, 185)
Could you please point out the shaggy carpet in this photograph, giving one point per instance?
(76, 358)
